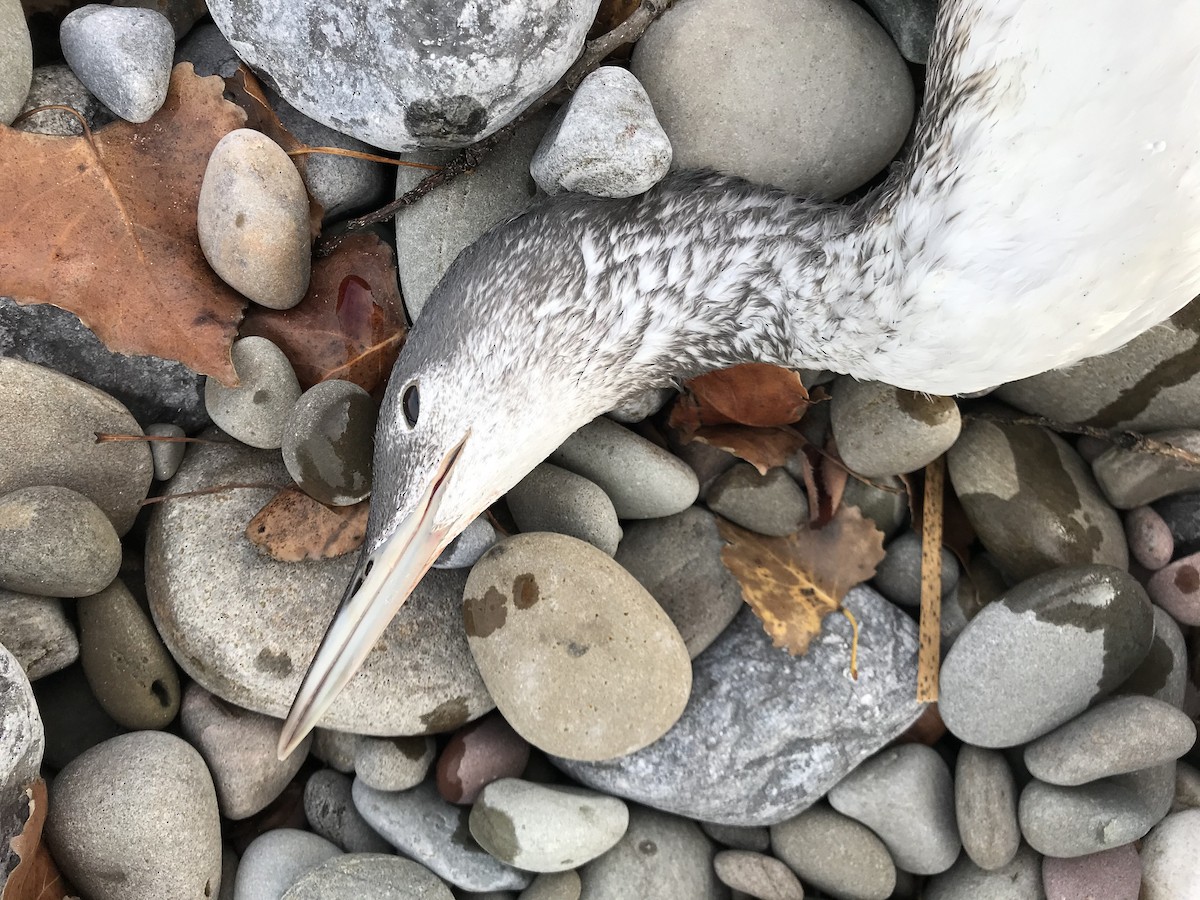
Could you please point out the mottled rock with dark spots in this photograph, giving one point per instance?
(1163, 673)
(330, 810)
(393, 764)
(22, 742)
(1150, 540)
(328, 440)
(1176, 588)
(883, 430)
(1182, 515)
(478, 754)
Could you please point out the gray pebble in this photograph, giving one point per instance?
(208, 51)
(898, 576)
(906, 796)
(884, 501)
(123, 56)
(1163, 673)
(553, 499)
(252, 220)
(393, 764)
(135, 818)
(642, 480)
(706, 461)
(336, 749)
(464, 551)
(36, 631)
(256, 412)
(985, 804)
(1187, 787)
(57, 85)
(1171, 858)
(330, 811)
(129, 669)
(57, 543)
(604, 141)
(420, 824)
(22, 741)
(328, 441)
(739, 837)
(277, 859)
(883, 430)
(770, 504)
(369, 876)
(835, 854)
(757, 875)
(1151, 543)
(909, 22)
(240, 749)
(1019, 879)
(167, 455)
(73, 718)
(1132, 478)
(16, 59)
(554, 886)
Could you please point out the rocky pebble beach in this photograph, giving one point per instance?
(576, 703)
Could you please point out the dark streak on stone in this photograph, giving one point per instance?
(525, 591)
(446, 716)
(276, 663)
(917, 406)
(482, 616)
(412, 747)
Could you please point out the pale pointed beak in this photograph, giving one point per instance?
(382, 582)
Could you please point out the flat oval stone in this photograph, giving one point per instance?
(252, 219)
(1149, 536)
(770, 504)
(553, 499)
(1020, 879)
(328, 441)
(545, 828)
(393, 764)
(898, 575)
(167, 455)
(1131, 478)
(1171, 858)
(479, 753)
(57, 543)
(985, 806)
(1088, 628)
(1114, 874)
(48, 425)
(129, 669)
(200, 570)
(883, 430)
(135, 818)
(642, 480)
(1176, 588)
(257, 410)
(1032, 500)
(758, 875)
(330, 810)
(369, 876)
(835, 854)
(578, 657)
(22, 743)
(277, 859)
(35, 630)
(739, 837)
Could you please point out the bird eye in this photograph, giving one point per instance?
(412, 405)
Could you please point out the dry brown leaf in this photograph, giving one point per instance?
(350, 324)
(752, 394)
(763, 448)
(293, 527)
(36, 877)
(106, 228)
(793, 582)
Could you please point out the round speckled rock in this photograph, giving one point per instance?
(57, 543)
(479, 753)
(770, 504)
(125, 662)
(167, 455)
(276, 860)
(1020, 879)
(577, 655)
(883, 430)
(985, 806)
(1080, 632)
(545, 828)
(329, 809)
(255, 412)
(1149, 536)
(35, 630)
(328, 441)
(252, 219)
(553, 499)
(135, 818)
(393, 764)
(1176, 588)
(757, 875)
(369, 876)
(1114, 874)
(1032, 500)
(1171, 858)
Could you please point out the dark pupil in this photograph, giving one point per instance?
(412, 405)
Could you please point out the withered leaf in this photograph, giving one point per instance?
(350, 324)
(106, 228)
(793, 582)
(36, 877)
(763, 448)
(293, 527)
(751, 394)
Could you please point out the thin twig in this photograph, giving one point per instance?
(87, 132)
(358, 154)
(1125, 440)
(220, 488)
(103, 438)
(930, 627)
(829, 457)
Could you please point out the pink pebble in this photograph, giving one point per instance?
(478, 754)
(1176, 588)
(1114, 874)
(1149, 537)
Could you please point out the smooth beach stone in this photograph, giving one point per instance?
(757, 875)
(769, 504)
(835, 854)
(252, 220)
(604, 141)
(1163, 673)
(335, 748)
(239, 747)
(661, 856)
(1176, 588)
(1032, 500)
(245, 626)
(553, 499)
(56, 85)
(182, 14)
(545, 828)
(73, 718)
(678, 560)
(135, 818)
(393, 764)
(1081, 632)
(1117, 735)
(1187, 787)
(1020, 879)
(256, 412)
(906, 796)
(576, 654)
(484, 751)
(35, 630)
(208, 51)
(985, 807)
(1114, 874)
(642, 480)
(1181, 512)
(369, 876)
(166, 455)
(57, 543)
(277, 859)
(707, 462)
(464, 551)
(888, 509)
(328, 440)
(898, 575)
(48, 425)
(789, 728)
(910, 24)
(813, 96)
(883, 430)
(1171, 858)
(739, 837)
(16, 59)
(1131, 478)
(329, 808)
(1152, 383)
(435, 833)
(22, 742)
(125, 662)
(1150, 541)
(554, 886)
(122, 55)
